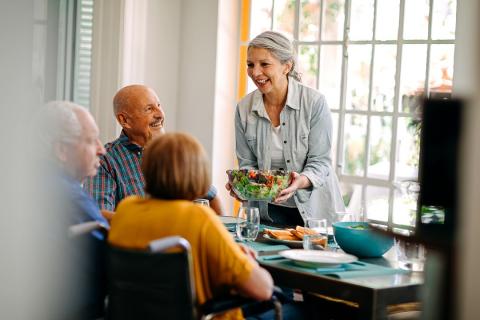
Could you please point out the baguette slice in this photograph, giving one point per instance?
(281, 234)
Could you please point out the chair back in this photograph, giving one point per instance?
(156, 283)
(85, 288)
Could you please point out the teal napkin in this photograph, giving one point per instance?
(265, 247)
(345, 271)
(361, 269)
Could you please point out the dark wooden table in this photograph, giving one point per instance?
(372, 294)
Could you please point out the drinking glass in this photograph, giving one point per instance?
(345, 217)
(202, 202)
(410, 255)
(312, 242)
(248, 223)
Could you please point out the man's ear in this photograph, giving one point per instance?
(123, 120)
(60, 150)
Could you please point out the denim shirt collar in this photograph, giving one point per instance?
(291, 102)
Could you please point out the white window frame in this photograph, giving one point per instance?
(75, 51)
(364, 180)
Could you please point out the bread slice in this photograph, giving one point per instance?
(282, 234)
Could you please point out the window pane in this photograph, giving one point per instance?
(441, 67)
(354, 153)
(383, 89)
(352, 196)
(308, 64)
(333, 18)
(377, 203)
(331, 74)
(380, 145)
(261, 17)
(361, 20)
(412, 83)
(284, 17)
(408, 148)
(416, 19)
(444, 19)
(358, 76)
(309, 20)
(334, 138)
(387, 19)
(405, 203)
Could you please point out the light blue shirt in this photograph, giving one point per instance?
(306, 127)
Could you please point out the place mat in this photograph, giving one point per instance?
(344, 271)
(261, 247)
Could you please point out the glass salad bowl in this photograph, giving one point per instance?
(258, 185)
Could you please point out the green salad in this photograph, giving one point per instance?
(258, 184)
(359, 227)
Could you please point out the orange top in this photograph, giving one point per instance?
(218, 262)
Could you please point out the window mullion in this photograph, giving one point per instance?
(343, 89)
(370, 86)
(393, 153)
(273, 14)
(319, 45)
(429, 46)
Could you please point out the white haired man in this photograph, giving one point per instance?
(70, 140)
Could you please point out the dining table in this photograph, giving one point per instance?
(371, 284)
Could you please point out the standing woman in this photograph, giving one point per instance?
(287, 125)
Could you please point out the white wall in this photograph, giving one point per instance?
(150, 50)
(106, 63)
(187, 52)
(225, 96)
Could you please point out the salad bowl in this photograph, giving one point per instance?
(258, 185)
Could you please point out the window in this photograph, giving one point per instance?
(374, 60)
(75, 51)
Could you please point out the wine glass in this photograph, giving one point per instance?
(248, 223)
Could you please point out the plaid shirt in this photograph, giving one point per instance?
(120, 174)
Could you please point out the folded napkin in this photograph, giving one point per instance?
(344, 271)
(261, 247)
(360, 269)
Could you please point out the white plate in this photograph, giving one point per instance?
(291, 243)
(228, 219)
(317, 258)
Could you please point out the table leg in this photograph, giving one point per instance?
(371, 308)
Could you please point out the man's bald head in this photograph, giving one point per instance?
(127, 96)
(139, 112)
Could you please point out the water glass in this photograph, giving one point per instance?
(312, 242)
(410, 255)
(248, 223)
(345, 217)
(202, 202)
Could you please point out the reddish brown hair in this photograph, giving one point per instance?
(175, 166)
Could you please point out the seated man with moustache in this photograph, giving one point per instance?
(138, 110)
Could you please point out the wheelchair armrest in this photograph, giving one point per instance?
(249, 306)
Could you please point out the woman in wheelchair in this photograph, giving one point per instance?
(176, 170)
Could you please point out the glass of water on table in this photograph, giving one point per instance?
(317, 241)
(248, 223)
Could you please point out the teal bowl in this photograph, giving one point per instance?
(359, 239)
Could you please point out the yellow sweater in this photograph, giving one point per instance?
(218, 262)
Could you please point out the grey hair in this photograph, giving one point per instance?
(60, 123)
(280, 47)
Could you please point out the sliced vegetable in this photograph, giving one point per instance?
(258, 184)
